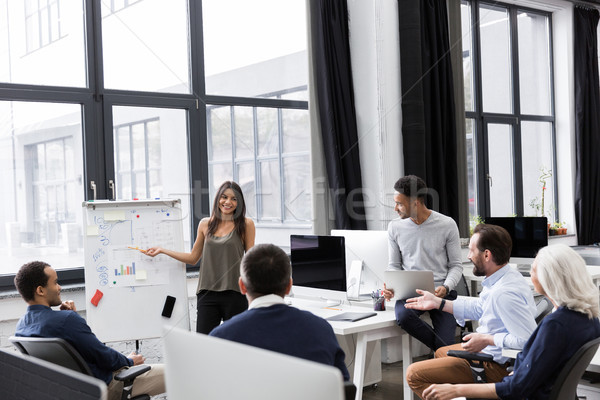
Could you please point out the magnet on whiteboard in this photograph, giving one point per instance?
(96, 299)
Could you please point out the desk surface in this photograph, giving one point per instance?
(594, 271)
(380, 326)
(382, 319)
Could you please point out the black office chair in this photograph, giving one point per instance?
(349, 390)
(565, 386)
(27, 378)
(59, 351)
(543, 307)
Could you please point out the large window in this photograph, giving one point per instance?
(257, 114)
(136, 99)
(42, 183)
(266, 150)
(42, 23)
(42, 42)
(507, 62)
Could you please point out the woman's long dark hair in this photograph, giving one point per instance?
(239, 214)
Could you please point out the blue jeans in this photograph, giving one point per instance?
(444, 324)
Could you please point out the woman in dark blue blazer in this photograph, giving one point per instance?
(560, 274)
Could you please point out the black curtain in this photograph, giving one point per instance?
(587, 126)
(428, 110)
(335, 97)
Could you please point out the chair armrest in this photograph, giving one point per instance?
(470, 356)
(132, 372)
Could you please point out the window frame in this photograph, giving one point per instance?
(515, 118)
(97, 103)
(257, 160)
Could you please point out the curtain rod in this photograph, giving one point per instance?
(588, 5)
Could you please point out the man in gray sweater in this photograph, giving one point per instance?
(423, 239)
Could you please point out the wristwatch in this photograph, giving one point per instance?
(447, 289)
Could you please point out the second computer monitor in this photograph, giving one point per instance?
(528, 234)
(318, 262)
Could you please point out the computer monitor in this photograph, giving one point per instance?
(529, 234)
(319, 262)
(202, 366)
(370, 249)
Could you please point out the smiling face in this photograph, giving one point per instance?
(404, 206)
(227, 202)
(50, 292)
(476, 256)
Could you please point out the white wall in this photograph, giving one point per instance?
(375, 53)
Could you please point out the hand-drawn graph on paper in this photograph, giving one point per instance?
(130, 267)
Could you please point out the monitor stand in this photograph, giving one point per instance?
(333, 302)
(524, 269)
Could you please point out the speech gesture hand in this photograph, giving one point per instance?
(427, 301)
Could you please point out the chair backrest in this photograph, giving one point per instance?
(565, 386)
(462, 289)
(543, 307)
(55, 350)
(214, 369)
(28, 378)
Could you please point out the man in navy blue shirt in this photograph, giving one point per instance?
(271, 324)
(37, 282)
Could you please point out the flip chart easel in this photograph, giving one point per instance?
(126, 291)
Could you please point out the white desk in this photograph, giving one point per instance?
(381, 326)
(595, 363)
(510, 353)
(473, 280)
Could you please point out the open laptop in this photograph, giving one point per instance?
(204, 367)
(405, 283)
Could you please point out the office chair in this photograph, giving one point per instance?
(565, 385)
(543, 307)
(59, 351)
(476, 360)
(25, 377)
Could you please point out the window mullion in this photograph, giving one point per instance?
(517, 153)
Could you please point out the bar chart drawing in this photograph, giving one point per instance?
(125, 270)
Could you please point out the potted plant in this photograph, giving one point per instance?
(539, 205)
(559, 227)
(474, 221)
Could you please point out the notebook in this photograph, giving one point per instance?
(405, 283)
(351, 316)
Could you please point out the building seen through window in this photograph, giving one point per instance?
(141, 128)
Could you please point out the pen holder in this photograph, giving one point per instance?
(379, 303)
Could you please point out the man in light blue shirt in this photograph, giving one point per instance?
(505, 310)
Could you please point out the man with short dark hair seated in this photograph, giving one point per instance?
(269, 323)
(37, 282)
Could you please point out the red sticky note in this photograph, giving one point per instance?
(96, 299)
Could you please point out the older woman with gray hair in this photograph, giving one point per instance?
(560, 274)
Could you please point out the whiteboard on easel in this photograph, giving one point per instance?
(126, 291)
